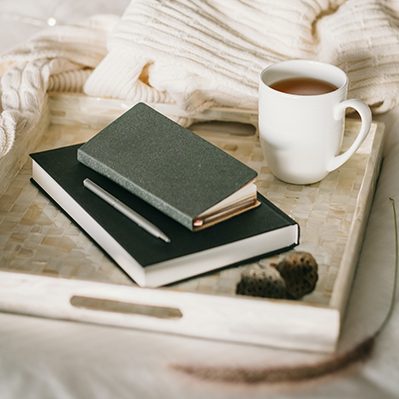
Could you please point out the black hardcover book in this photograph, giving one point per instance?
(148, 260)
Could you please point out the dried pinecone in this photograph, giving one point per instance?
(292, 278)
(299, 271)
(264, 281)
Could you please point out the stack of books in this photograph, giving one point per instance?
(161, 201)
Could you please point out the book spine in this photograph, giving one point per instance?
(133, 188)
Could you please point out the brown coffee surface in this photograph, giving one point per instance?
(303, 86)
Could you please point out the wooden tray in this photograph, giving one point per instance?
(50, 268)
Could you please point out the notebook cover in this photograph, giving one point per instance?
(166, 165)
(62, 165)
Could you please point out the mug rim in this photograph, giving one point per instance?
(294, 62)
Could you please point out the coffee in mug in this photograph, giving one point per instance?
(303, 86)
(302, 107)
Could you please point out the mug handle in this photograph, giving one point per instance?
(365, 115)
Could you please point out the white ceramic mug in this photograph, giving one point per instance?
(301, 135)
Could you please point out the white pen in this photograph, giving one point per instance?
(125, 210)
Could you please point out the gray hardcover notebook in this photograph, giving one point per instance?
(171, 168)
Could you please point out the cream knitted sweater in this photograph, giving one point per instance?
(199, 53)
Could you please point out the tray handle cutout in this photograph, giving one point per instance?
(109, 305)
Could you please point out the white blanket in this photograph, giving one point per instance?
(201, 53)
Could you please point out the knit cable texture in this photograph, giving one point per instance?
(57, 59)
(200, 53)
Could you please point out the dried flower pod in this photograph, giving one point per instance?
(299, 271)
(263, 281)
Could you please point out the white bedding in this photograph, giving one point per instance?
(56, 359)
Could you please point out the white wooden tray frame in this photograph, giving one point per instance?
(281, 323)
